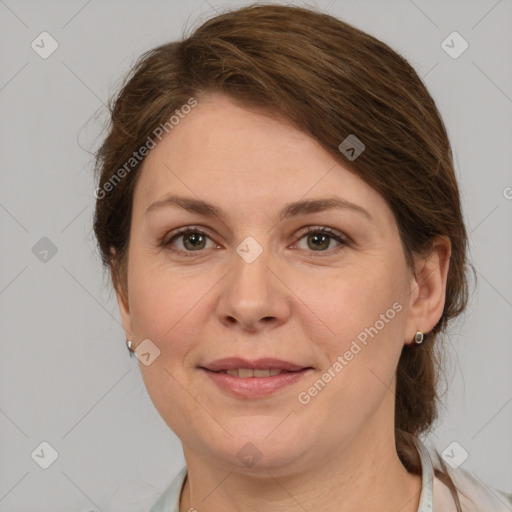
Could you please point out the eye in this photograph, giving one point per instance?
(193, 240)
(319, 239)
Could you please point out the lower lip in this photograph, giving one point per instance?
(255, 387)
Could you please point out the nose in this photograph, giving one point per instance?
(253, 297)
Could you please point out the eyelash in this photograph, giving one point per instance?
(167, 243)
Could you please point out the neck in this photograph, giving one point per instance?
(364, 476)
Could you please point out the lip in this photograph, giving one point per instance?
(254, 387)
(232, 363)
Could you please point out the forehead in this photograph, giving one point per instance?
(228, 155)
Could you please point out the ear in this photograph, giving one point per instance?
(121, 294)
(428, 289)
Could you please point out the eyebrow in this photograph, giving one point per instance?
(201, 207)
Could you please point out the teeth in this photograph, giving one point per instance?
(262, 373)
(245, 373)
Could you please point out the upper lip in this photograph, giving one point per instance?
(232, 363)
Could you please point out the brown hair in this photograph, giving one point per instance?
(331, 80)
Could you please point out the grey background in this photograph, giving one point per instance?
(65, 374)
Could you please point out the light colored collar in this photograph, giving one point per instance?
(169, 500)
(427, 479)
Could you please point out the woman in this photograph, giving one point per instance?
(278, 209)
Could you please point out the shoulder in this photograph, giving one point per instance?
(475, 495)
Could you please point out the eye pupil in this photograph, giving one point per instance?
(322, 238)
(194, 238)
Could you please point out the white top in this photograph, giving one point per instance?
(434, 497)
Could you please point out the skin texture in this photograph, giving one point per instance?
(301, 300)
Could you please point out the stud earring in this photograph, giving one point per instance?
(129, 347)
(419, 337)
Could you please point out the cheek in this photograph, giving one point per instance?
(360, 298)
(151, 311)
(365, 310)
(163, 305)
(161, 297)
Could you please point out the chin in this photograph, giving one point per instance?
(253, 450)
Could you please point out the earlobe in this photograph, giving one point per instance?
(428, 289)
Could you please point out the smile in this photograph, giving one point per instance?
(246, 383)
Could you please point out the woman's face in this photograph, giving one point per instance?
(249, 281)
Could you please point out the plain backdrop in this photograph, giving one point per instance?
(65, 375)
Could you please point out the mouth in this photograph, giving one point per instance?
(254, 379)
(244, 366)
(247, 373)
